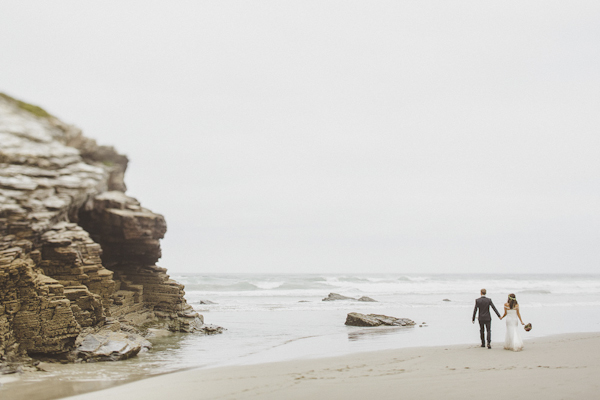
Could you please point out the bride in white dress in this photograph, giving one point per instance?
(513, 339)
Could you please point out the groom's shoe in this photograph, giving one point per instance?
(483, 345)
(489, 346)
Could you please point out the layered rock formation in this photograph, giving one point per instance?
(76, 253)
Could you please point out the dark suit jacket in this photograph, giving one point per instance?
(483, 305)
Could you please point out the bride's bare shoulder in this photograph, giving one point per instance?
(506, 305)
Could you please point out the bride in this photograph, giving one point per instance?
(513, 339)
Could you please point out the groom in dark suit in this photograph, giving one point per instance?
(485, 319)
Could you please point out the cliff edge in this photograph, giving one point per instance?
(77, 255)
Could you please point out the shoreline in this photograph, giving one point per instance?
(551, 367)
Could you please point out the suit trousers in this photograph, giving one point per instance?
(487, 325)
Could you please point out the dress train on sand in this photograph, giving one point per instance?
(513, 339)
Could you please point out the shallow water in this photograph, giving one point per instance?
(281, 317)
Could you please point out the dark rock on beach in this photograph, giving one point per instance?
(358, 319)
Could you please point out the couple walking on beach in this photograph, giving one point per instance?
(513, 339)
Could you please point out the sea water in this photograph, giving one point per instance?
(277, 317)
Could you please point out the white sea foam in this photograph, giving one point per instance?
(388, 285)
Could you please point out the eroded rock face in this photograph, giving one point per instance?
(69, 256)
(358, 319)
(35, 316)
(74, 249)
(129, 236)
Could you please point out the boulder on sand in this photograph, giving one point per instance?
(358, 319)
(110, 346)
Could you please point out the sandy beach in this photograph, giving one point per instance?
(555, 367)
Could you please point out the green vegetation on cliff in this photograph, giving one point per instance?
(33, 109)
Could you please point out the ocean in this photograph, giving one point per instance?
(277, 317)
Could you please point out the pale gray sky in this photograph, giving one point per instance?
(335, 136)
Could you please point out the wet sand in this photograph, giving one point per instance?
(555, 367)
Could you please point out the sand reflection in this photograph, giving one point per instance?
(368, 333)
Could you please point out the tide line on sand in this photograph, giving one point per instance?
(555, 367)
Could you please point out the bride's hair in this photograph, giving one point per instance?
(512, 301)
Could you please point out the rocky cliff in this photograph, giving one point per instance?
(77, 255)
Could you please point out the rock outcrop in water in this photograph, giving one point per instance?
(335, 296)
(358, 319)
(76, 253)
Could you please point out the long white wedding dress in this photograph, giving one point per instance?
(513, 339)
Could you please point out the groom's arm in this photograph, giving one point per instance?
(494, 307)
(475, 311)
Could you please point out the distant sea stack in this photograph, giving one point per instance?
(77, 255)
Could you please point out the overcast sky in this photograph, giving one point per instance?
(335, 136)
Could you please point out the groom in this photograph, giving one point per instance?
(485, 319)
